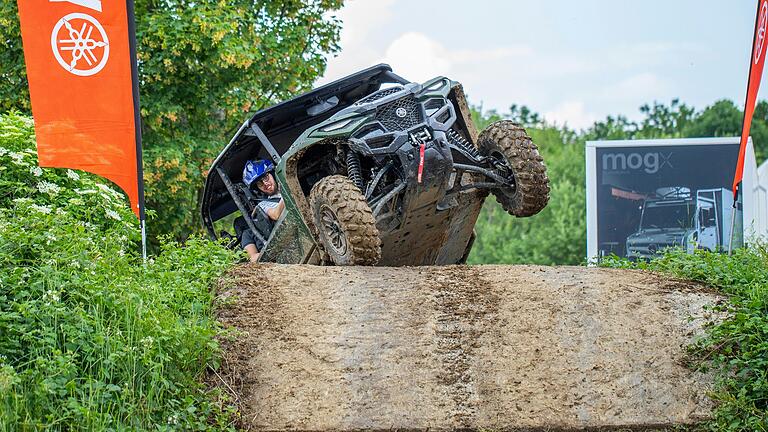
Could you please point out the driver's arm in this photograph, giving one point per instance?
(274, 213)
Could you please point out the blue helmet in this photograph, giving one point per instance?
(255, 170)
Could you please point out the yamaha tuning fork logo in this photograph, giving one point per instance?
(80, 44)
(79, 41)
(762, 22)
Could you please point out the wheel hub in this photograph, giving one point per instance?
(333, 232)
(502, 168)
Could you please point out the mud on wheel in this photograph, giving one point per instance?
(509, 142)
(345, 222)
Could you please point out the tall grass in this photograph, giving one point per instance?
(91, 339)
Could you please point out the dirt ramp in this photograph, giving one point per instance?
(487, 347)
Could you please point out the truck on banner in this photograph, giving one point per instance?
(81, 67)
(644, 196)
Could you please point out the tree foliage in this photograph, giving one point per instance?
(678, 120)
(557, 235)
(203, 67)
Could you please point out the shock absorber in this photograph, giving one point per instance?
(354, 172)
(459, 141)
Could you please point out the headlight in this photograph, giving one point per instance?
(431, 106)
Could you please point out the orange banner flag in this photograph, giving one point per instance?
(756, 63)
(80, 57)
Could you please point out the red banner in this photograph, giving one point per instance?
(79, 56)
(757, 60)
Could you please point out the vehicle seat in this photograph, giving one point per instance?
(262, 222)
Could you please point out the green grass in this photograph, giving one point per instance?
(737, 348)
(90, 338)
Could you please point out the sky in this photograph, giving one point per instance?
(572, 61)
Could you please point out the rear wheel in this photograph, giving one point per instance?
(508, 142)
(345, 223)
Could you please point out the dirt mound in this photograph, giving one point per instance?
(487, 347)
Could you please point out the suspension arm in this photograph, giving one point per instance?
(486, 172)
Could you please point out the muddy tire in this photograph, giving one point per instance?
(344, 222)
(509, 141)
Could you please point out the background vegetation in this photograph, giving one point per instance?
(90, 339)
(558, 234)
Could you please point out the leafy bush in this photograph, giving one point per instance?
(91, 339)
(737, 348)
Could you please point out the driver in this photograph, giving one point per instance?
(260, 174)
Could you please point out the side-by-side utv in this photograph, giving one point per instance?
(375, 170)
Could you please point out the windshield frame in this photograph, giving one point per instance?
(659, 206)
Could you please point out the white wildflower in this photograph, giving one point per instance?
(113, 214)
(75, 264)
(121, 252)
(22, 200)
(73, 175)
(173, 420)
(108, 190)
(86, 191)
(51, 296)
(3, 151)
(48, 187)
(41, 209)
(18, 158)
(60, 212)
(36, 171)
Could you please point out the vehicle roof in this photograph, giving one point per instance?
(282, 124)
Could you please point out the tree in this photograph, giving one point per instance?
(524, 115)
(204, 66)
(662, 121)
(14, 92)
(722, 118)
(612, 128)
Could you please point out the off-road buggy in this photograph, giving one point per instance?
(375, 170)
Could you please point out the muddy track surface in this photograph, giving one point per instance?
(460, 347)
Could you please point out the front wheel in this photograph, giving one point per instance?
(345, 223)
(508, 142)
